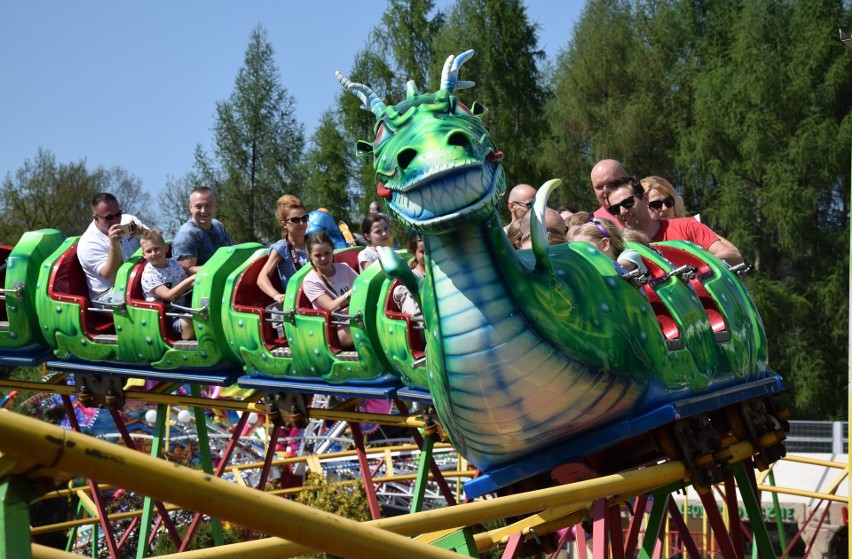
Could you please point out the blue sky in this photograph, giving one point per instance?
(135, 84)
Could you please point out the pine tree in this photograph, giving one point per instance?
(258, 147)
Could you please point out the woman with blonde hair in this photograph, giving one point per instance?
(607, 238)
(289, 254)
(663, 201)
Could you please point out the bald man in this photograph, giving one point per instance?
(520, 201)
(553, 222)
(607, 172)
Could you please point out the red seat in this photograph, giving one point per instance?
(68, 284)
(249, 298)
(679, 258)
(664, 316)
(416, 336)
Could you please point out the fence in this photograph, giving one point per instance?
(829, 437)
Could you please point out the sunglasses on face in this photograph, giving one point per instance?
(627, 203)
(298, 220)
(110, 217)
(669, 201)
(527, 205)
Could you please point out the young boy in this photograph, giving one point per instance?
(163, 279)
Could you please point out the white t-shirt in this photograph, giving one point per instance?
(341, 282)
(93, 253)
(367, 256)
(153, 277)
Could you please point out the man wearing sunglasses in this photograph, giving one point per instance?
(521, 198)
(200, 237)
(607, 172)
(628, 203)
(111, 238)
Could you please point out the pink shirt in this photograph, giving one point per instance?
(341, 282)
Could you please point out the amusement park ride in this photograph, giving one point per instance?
(572, 399)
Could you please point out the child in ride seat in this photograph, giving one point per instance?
(328, 286)
(401, 295)
(163, 279)
(606, 237)
(376, 231)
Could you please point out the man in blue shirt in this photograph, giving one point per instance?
(199, 238)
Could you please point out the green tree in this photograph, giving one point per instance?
(371, 69)
(329, 164)
(767, 159)
(43, 193)
(406, 34)
(346, 499)
(174, 203)
(258, 147)
(509, 82)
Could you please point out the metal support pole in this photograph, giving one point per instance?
(15, 495)
(207, 466)
(616, 537)
(755, 513)
(422, 474)
(639, 505)
(148, 503)
(437, 476)
(161, 508)
(685, 537)
(369, 486)
(96, 493)
(779, 523)
(600, 547)
(735, 528)
(655, 524)
(720, 531)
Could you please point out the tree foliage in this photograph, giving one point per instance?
(329, 164)
(43, 193)
(745, 108)
(258, 146)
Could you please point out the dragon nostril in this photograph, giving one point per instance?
(405, 158)
(458, 139)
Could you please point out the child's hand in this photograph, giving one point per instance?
(279, 298)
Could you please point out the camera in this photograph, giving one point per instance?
(128, 229)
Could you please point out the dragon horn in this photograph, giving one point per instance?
(450, 75)
(368, 97)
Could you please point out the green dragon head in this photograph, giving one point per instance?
(437, 168)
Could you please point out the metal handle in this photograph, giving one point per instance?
(18, 291)
(740, 269)
(685, 272)
(202, 310)
(636, 277)
(289, 316)
(343, 318)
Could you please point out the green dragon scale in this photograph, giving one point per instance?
(527, 349)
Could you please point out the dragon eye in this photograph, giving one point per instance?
(461, 107)
(382, 134)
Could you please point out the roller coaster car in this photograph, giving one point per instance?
(316, 350)
(727, 303)
(70, 324)
(252, 321)
(144, 327)
(19, 270)
(403, 338)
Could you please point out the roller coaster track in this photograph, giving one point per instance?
(539, 518)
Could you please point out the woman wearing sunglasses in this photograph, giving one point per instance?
(289, 254)
(663, 201)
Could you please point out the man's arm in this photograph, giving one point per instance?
(114, 258)
(725, 250)
(188, 263)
